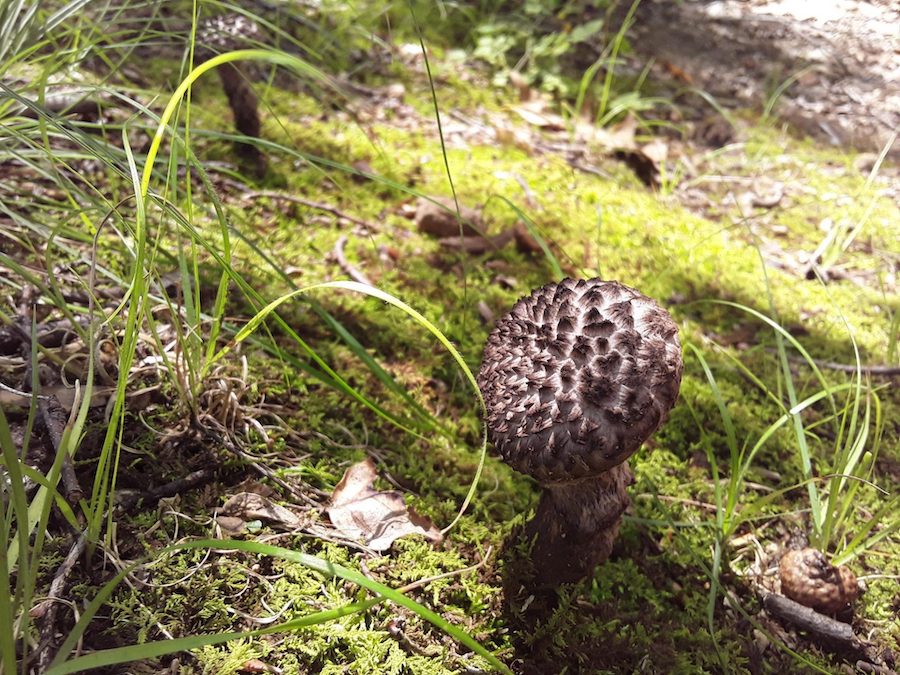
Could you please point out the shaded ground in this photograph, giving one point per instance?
(840, 59)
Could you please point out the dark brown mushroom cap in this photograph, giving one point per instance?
(577, 376)
(808, 578)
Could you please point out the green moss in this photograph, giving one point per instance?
(646, 607)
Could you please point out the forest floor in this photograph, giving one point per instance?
(736, 202)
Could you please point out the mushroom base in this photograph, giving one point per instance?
(576, 524)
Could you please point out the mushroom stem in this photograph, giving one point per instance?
(576, 524)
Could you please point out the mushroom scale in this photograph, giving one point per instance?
(576, 376)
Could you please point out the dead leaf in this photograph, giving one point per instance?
(478, 245)
(439, 219)
(257, 666)
(525, 242)
(231, 526)
(620, 136)
(536, 112)
(657, 151)
(714, 132)
(678, 73)
(486, 313)
(358, 511)
(517, 80)
(767, 193)
(643, 166)
(249, 506)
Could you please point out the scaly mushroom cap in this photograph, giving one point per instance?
(577, 376)
(226, 32)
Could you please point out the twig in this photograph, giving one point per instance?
(586, 168)
(318, 206)
(176, 487)
(54, 418)
(49, 608)
(867, 667)
(49, 334)
(680, 500)
(827, 631)
(345, 265)
(477, 244)
(879, 370)
(824, 627)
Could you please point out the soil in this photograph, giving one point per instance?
(841, 58)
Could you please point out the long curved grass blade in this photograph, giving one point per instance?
(277, 58)
(255, 322)
(150, 650)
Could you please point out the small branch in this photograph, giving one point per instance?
(318, 206)
(477, 244)
(54, 417)
(879, 370)
(829, 632)
(824, 627)
(188, 482)
(54, 420)
(345, 265)
(49, 608)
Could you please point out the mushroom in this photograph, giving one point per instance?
(224, 33)
(575, 378)
(808, 578)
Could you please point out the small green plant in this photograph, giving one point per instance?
(832, 477)
(509, 43)
(841, 235)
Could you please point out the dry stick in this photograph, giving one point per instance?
(829, 632)
(867, 667)
(318, 206)
(345, 265)
(188, 482)
(49, 608)
(879, 370)
(828, 629)
(54, 419)
(49, 334)
(477, 244)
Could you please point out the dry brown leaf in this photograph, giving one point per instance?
(258, 666)
(358, 511)
(619, 136)
(657, 151)
(231, 526)
(536, 112)
(249, 506)
(440, 219)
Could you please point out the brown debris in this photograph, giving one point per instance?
(808, 578)
(437, 217)
(250, 506)
(358, 511)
